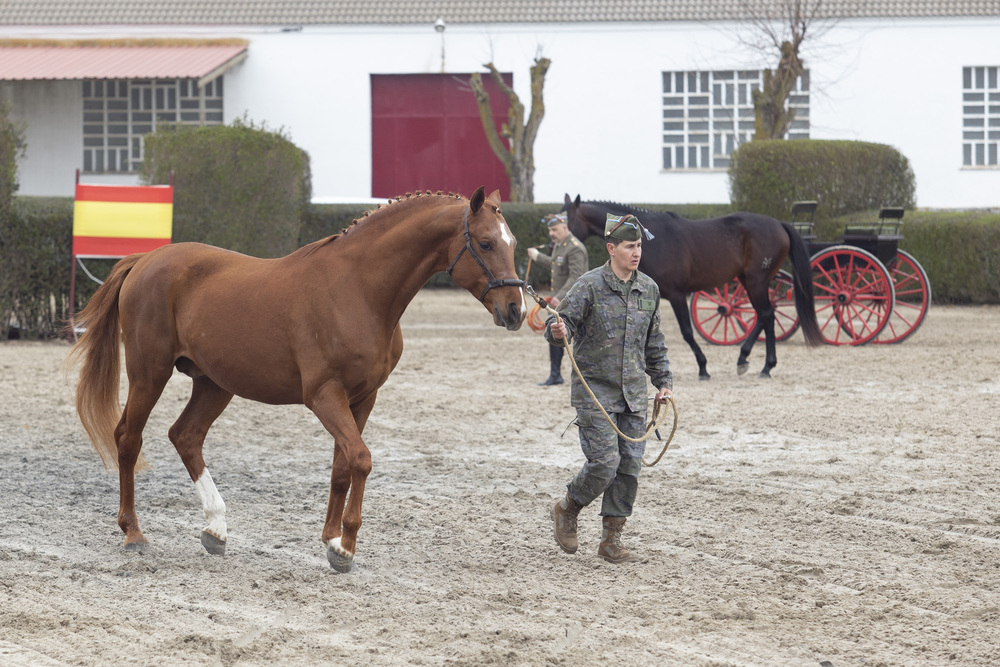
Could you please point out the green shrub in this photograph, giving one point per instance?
(12, 147)
(236, 186)
(960, 251)
(37, 260)
(843, 176)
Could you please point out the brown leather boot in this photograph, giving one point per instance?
(611, 548)
(564, 517)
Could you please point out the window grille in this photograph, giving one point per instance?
(706, 115)
(980, 116)
(117, 113)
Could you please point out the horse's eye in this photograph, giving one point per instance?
(486, 245)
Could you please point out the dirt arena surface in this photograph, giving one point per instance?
(846, 512)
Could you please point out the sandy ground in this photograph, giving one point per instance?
(845, 512)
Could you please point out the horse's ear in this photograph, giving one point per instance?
(577, 200)
(477, 199)
(566, 199)
(494, 197)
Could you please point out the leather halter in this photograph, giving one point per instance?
(493, 282)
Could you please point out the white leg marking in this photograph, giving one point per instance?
(335, 545)
(505, 234)
(215, 507)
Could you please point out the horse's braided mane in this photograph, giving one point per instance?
(378, 212)
(632, 208)
(620, 205)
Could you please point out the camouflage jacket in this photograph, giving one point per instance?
(616, 339)
(567, 263)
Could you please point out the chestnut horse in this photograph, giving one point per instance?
(686, 256)
(319, 327)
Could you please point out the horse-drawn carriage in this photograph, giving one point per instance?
(865, 288)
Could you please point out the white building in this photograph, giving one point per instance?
(639, 99)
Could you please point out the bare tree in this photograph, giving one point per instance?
(519, 159)
(782, 26)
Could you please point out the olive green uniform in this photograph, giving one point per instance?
(568, 262)
(614, 326)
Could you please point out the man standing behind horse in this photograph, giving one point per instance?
(567, 263)
(612, 316)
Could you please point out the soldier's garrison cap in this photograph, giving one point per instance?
(624, 227)
(555, 219)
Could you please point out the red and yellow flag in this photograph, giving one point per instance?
(118, 220)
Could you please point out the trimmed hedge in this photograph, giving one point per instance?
(240, 186)
(843, 176)
(959, 250)
(36, 256)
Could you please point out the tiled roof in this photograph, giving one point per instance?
(114, 62)
(318, 12)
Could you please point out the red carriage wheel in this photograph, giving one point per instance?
(854, 295)
(913, 298)
(782, 293)
(723, 316)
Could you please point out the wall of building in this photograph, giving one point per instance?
(52, 116)
(895, 82)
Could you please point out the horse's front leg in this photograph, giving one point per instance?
(679, 303)
(742, 364)
(352, 464)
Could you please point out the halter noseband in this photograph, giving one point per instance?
(493, 282)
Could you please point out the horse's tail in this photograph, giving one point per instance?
(804, 305)
(97, 392)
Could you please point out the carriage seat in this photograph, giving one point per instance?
(890, 218)
(803, 213)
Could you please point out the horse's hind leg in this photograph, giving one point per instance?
(143, 392)
(207, 402)
(765, 323)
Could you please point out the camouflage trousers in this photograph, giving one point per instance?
(613, 464)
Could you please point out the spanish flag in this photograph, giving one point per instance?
(118, 220)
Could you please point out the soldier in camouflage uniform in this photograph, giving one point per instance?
(612, 317)
(567, 263)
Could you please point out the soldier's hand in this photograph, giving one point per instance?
(533, 253)
(662, 396)
(558, 330)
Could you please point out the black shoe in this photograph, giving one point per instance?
(552, 379)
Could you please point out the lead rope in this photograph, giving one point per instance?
(654, 422)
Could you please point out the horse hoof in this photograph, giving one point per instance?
(213, 544)
(704, 377)
(340, 562)
(764, 375)
(138, 546)
(742, 368)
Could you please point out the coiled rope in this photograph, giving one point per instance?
(654, 422)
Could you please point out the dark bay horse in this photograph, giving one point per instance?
(691, 255)
(319, 327)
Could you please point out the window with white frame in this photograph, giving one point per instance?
(706, 115)
(117, 113)
(980, 116)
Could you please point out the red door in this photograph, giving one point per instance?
(426, 135)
